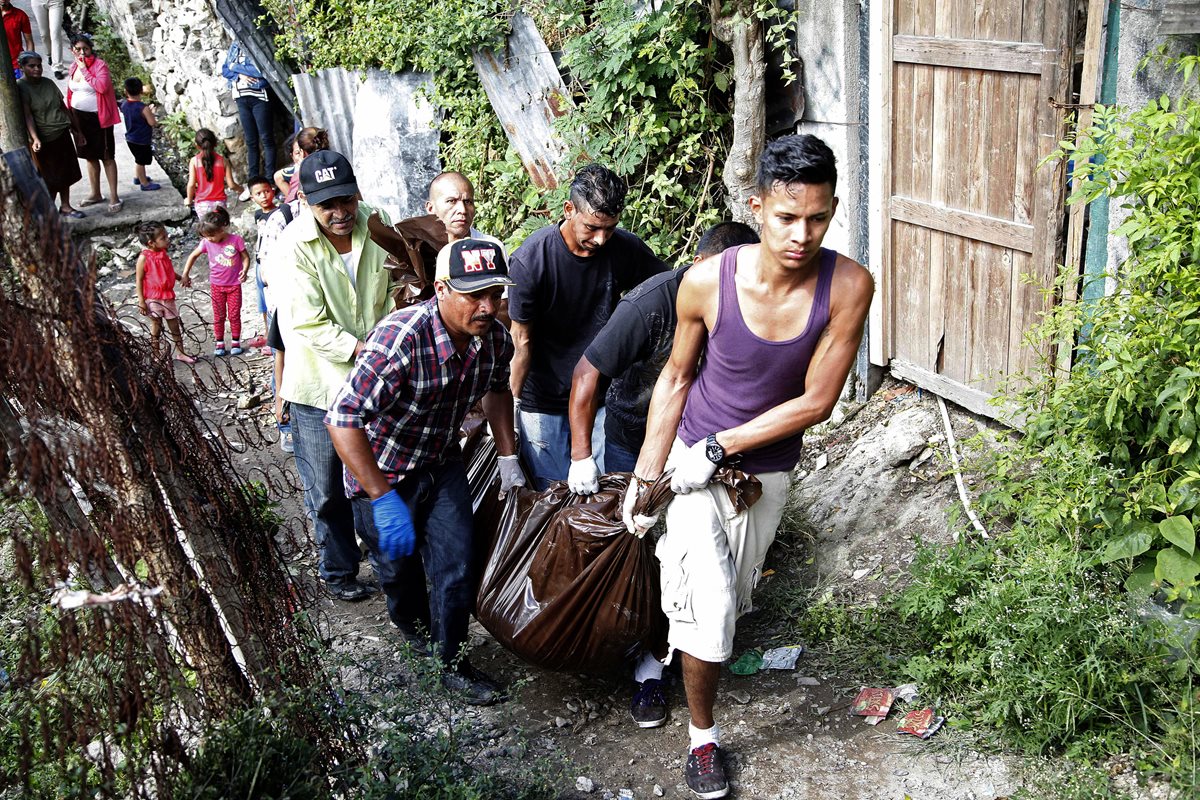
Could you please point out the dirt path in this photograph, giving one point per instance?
(867, 489)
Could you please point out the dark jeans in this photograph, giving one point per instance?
(440, 502)
(325, 495)
(255, 116)
(617, 458)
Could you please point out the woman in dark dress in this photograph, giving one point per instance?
(50, 128)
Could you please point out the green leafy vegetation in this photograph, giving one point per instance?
(1075, 629)
(649, 97)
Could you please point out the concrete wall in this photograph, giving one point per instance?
(832, 44)
(183, 44)
(1138, 35)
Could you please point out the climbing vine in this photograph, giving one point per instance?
(650, 88)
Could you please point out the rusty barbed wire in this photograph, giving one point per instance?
(122, 479)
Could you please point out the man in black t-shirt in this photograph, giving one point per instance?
(569, 277)
(630, 352)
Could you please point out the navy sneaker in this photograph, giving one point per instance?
(351, 591)
(649, 705)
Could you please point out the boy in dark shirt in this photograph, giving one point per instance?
(140, 123)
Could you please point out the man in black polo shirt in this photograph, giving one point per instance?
(569, 277)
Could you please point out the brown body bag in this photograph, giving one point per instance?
(567, 587)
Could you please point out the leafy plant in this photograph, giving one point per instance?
(1048, 633)
(649, 97)
(1116, 440)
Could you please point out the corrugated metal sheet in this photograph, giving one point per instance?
(1180, 16)
(527, 94)
(381, 122)
(327, 99)
(243, 17)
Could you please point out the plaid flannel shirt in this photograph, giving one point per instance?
(411, 389)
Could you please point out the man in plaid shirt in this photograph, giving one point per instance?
(395, 426)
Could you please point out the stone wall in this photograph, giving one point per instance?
(182, 43)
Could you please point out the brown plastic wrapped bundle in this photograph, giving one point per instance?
(567, 587)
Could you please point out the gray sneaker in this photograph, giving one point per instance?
(285, 442)
(474, 687)
(705, 774)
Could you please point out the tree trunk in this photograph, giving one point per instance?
(87, 370)
(743, 33)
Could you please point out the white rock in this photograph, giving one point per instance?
(584, 785)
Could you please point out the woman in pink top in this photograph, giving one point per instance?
(91, 98)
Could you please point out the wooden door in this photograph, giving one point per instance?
(967, 114)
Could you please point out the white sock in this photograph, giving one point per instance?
(647, 667)
(701, 736)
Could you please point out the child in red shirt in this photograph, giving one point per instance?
(155, 282)
(208, 177)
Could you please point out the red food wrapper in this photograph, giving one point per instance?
(921, 723)
(873, 703)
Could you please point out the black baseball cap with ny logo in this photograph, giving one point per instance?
(325, 175)
(469, 265)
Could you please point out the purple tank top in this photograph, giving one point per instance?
(743, 376)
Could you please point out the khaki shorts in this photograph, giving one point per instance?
(163, 309)
(712, 558)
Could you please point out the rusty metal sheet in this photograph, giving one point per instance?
(528, 95)
(382, 123)
(327, 98)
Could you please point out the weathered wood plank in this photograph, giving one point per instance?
(1002, 148)
(1025, 176)
(990, 315)
(960, 271)
(969, 53)
(910, 296)
(880, 138)
(1058, 17)
(902, 130)
(527, 93)
(970, 398)
(992, 230)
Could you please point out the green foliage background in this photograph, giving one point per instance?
(650, 91)
(1075, 627)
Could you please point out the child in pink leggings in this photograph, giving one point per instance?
(228, 264)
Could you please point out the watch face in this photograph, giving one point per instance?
(714, 451)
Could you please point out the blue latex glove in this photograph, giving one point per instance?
(396, 534)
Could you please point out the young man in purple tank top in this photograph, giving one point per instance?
(779, 324)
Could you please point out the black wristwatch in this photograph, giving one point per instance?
(714, 451)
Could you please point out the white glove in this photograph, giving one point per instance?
(584, 477)
(693, 470)
(511, 475)
(637, 524)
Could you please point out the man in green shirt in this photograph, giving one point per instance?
(332, 288)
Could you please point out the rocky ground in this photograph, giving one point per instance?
(874, 481)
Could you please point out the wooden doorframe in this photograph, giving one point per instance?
(879, 175)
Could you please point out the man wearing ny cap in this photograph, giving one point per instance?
(395, 424)
(332, 288)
